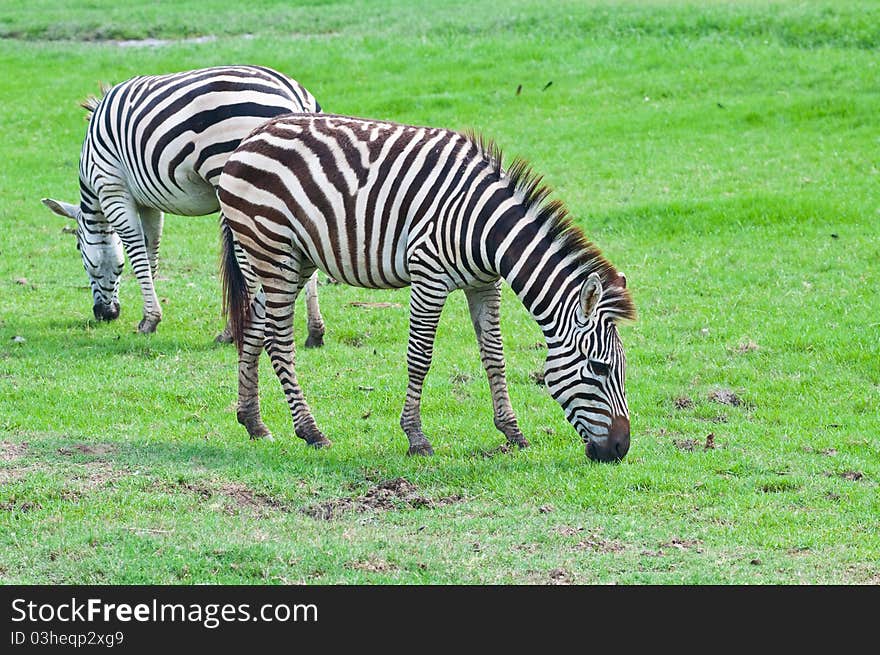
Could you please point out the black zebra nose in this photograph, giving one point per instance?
(105, 312)
(614, 447)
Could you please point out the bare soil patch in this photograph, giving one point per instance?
(372, 566)
(560, 577)
(725, 397)
(87, 449)
(502, 449)
(376, 305)
(683, 402)
(597, 543)
(9, 451)
(236, 498)
(19, 506)
(388, 495)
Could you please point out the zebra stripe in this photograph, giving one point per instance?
(158, 144)
(377, 204)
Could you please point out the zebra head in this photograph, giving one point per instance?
(102, 256)
(585, 370)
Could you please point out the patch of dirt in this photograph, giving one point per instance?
(376, 305)
(683, 402)
(710, 441)
(567, 530)
(92, 475)
(852, 476)
(236, 497)
(537, 377)
(502, 449)
(158, 43)
(546, 509)
(599, 544)
(683, 544)
(397, 493)
(747, 346)
(372, 566)
(87, 449)
(9, 452)
(560, 577)
(725, 397)
(19, 506)
(829, 452)
(688, 445)
(354, 340)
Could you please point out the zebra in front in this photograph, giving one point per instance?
(157, 144)
(381, 205)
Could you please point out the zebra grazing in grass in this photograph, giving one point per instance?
(381, 205)
(158, 144)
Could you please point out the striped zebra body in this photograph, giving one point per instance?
(380, 205)
(158, 144)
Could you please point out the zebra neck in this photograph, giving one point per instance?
(544, 273)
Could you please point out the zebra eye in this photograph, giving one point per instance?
(599, 368)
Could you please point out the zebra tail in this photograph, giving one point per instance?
(236, 300)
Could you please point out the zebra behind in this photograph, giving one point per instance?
(381, 205)
(157, 144)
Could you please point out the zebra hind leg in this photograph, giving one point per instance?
(280, 346)
(315, 320)
(484, 304)
(248, 410)
(426, 304)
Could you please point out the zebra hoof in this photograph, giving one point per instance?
(318, 444)
(147, 326)
(315, 341)
(420, 450)
(262, 437)
(223, 337)
(519, 441)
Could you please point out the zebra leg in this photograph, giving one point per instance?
(121, 211)
(315, 320)
(425, 305)
(485, 308)
(248, 410)
(280, 346)
(152, 221)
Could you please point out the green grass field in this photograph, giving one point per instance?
(724, 155)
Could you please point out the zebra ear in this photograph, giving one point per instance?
(62, 208)
(591, 294)
(621, 280)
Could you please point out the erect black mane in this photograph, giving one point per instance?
(536, 198)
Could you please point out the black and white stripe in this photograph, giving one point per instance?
(158, 144)
(378, 204)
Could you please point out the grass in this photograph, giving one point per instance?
(724, 155)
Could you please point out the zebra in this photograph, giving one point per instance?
(379, 204)
(157, 144)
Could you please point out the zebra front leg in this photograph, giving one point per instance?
(484, 304)
(281, 348)
(315, 320)
(425, 305)
(121, 211)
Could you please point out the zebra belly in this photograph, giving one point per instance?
(195, 198)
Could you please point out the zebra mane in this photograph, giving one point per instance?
(90, 104)
(536, 197)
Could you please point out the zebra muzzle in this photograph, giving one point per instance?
(614, 446)
(106, 312)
